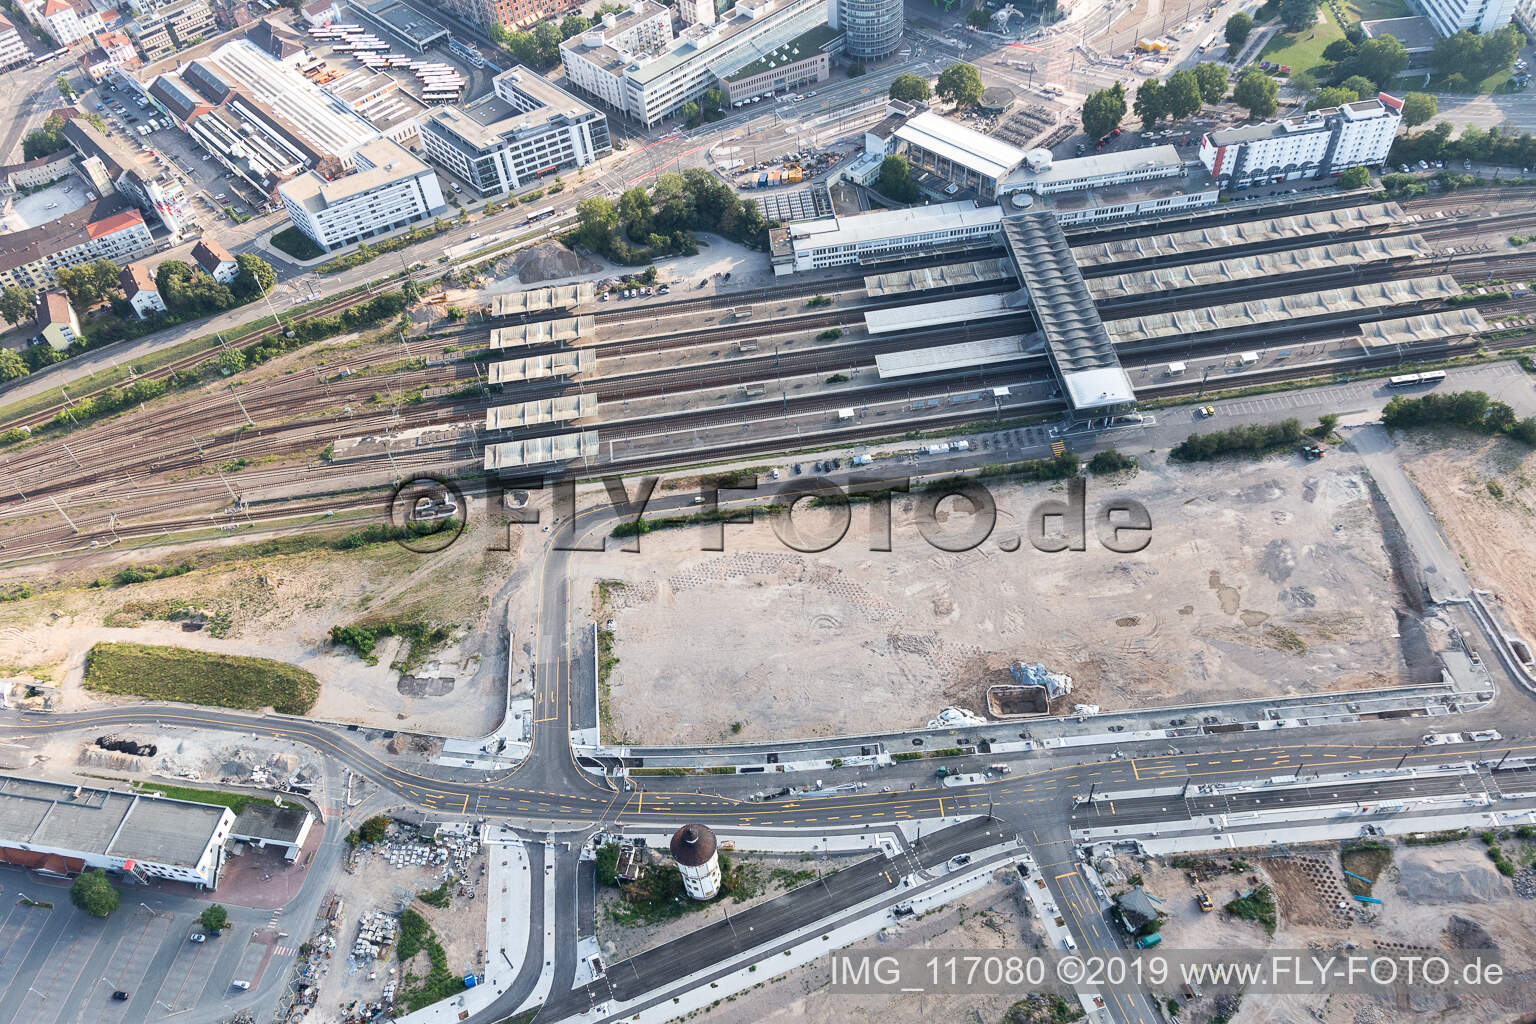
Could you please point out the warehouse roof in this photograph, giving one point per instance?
(269, 822)
(881, 224)
(1140, 283)
(1334, 302)
(106, 823)
(556, 364)
(989, 157)
(536, 300)
(1226, 236)
(1076, 342)
(542, 332)
(1100, 165)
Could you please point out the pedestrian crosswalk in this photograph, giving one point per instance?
(284, 950)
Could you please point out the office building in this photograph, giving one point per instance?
(871, 28)
(164, 30)
(62, 830)
(104, 229)
(110, 166)
(1318, 144)
(526, 129)
(1451, 16)
(13, 50)
(634, 63)
(56, 320)
(804, 60)
(390, 189)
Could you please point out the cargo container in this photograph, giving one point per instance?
(793, 175)
(762, 180)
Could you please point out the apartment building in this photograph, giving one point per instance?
(524, 130)
(390, 189)
(1451, 16)
(56, 321)
(140, 291)
(163, 31)
(109, 228)
(13, 50)
(634, 63)
(215, 261)
(1317, 144)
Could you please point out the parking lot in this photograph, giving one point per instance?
(58, 964)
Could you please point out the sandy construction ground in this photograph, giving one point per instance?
(1260, 578)
(1484, 494)
(283, 607)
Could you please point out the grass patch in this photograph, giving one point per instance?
(1303, 51)
(659, 895)
(297, 244)
(1435, 838)
(421, 638)
(1258, 905)
(1368, 860)
(199, 677)
(236, 802)
(440, 896)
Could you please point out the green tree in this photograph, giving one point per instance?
(960, 84)
(910, 88)
(1359, 85)
(547, 39)
(214, 917)
(1257, 93)
(1239, 26)
(1355, 177)
(17, 304)
(1419, 108)
(45, 140)
(1380, 60)
(1302, 82)
(11, 365)
(690, 112)
(978, 19)
(713, 102)
(1332, 97)
(1150, 102)
(255, 277)
(374, 829)
(39, 356)
(1461, 53)
(1212, 78)
(1340, 51)
(89, 283)
(896, 180)
(574, 25)
(1298, 15)
(93, 893)
(1500, 48)
(1103, 111)
(597, 220)
(231, 361)
(635, 212)
(171, 273)
(65, 89)
(1181, 94)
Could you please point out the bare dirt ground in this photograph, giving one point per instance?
(283, 607)
(1484, 494)
(1260, 579)
(1445, 897)
(987, 919)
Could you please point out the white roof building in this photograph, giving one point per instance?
(390, 189)
(882, 235)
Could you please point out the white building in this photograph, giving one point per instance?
(635, 64)
(883, 235)
(13, 52)
(215, 260)
(140, 291)
(390, 189)
(1317, 144)
(67, 24)
(63, 830)
(526, 129)
(872, 28)
(695, 851)
(1451, 16)
(1525, 17)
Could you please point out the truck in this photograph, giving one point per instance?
(861, 460)
(1148, 941)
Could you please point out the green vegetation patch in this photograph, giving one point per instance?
(297, 244)
(1368, 860)
(1258, 905)
(236, 802)
(421, 638)
(200, 677)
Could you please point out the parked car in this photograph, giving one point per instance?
(199, 937)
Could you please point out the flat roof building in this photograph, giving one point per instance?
(1317, 144)
(962, 155)
(524, 130)
(390, 189)
(64, 829)
(883, 235)
(106, 229)
(634, 63)
(285, 827)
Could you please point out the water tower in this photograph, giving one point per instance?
(694, 849)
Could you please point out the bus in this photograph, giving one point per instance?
(1416, 380)
(47, 57)
(538, 215)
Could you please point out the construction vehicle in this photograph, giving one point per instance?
(1312, 452)
(1204, 900)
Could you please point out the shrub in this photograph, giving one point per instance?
(1250, 439)
(1110, 461)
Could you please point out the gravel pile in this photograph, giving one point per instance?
(1525, 883)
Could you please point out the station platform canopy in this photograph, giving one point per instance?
(1078, 347)
(1319, 224)
(905, 282)
(565, 409)
(936, 314)
(953, 357)
(1335, 302)
(541, 451)
(1419, 330)
(1361, 252)
(539, 300)
(543, 332)
(578, 363)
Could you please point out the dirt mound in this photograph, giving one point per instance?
(547, 261)
(1449, 875)
(1465, 933)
